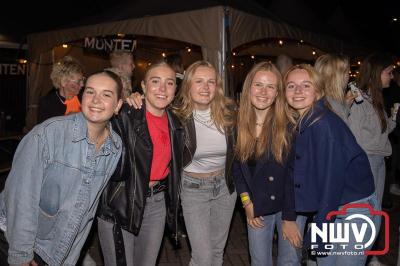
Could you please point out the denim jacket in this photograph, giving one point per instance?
(53, 189)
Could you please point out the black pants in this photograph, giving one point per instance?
(4, 252)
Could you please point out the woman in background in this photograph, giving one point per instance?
(65, 97)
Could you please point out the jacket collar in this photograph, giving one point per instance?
(80, 133)
(313, 115)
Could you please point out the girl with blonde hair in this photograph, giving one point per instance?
(208, 194)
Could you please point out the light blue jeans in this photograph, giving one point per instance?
(261, 239)
(141, 249)
(360, 259)
(207, 209)
(378, 169)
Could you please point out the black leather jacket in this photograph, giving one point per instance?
(190, 149)
(123, 201)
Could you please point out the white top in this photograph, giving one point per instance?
(210, 153)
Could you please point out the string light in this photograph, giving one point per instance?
(189, 50)
(252, 57)
(313, 52)
(163, 55)
(280, 42)
(22, 61)
(358, 62)
(232, 66)
(65, 46)
(233, 53)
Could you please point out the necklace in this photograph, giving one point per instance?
(59, 97)
(204, 119)
(100, 140)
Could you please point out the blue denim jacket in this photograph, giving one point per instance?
(53, 189)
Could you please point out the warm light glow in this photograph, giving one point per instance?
(232, 66)
(359, 62)
(394, 19)
(280, 42)
(149, 63)
(313, 52)
(122, 35)
(65, 46)
(234, 53)
(163, 55)
(22, 61)
(301, 41)
(398, 63)
(189, 50)
(252, 57)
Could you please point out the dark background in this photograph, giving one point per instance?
(365, 23)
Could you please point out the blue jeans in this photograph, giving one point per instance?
(360, 259)
(141, 249)
(207, 209)
(260, 242)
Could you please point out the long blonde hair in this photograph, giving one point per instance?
(334, 69)
(222, 108)
(274, 137)
(318, 84)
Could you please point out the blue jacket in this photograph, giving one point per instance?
(329, 169)
(51, 194)
(270, 189)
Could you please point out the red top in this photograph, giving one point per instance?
(159, 134)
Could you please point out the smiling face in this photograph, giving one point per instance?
(159, 89)
(100, 99)
(263, 90)
(203, 87)
(300, 91)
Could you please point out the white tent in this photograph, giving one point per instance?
(214, 26)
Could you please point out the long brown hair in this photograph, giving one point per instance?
(370, 82)
(222, 108)
(274, 137)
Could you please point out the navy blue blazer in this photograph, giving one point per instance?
(270, 189)
(329, 168)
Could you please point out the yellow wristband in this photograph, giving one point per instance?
(244, 198)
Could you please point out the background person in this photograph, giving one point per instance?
(64, 98)
(122, 63)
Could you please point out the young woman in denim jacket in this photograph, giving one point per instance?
(59, 171)
(329, 169)
(261, 172)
